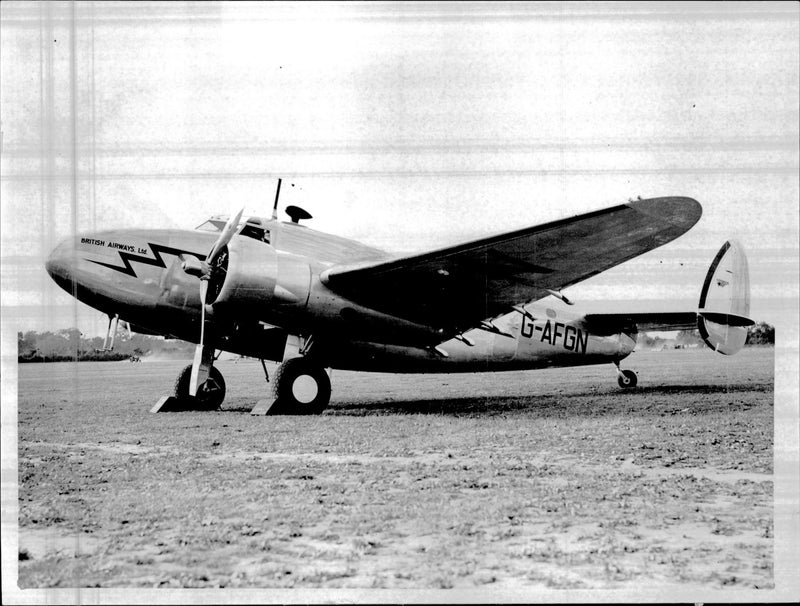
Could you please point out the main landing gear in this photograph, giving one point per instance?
(301, 387)
(625, 378)
(210, 393)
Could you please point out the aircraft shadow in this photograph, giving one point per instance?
(581, 403)
(590, 402)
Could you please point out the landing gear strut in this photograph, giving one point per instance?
(625, 378)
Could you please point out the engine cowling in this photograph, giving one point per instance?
(259, 279)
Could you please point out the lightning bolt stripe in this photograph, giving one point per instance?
(158, 261)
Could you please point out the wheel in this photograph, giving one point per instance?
(300, 388)
(209, 395)
(627, 379)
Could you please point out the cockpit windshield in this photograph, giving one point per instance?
(254, 227)
(211, 225)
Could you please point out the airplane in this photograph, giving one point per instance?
(278, 290)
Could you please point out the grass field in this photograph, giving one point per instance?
(548, 479)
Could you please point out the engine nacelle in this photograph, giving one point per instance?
(256, 282)
(259, 280)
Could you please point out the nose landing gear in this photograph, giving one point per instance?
(626, 379)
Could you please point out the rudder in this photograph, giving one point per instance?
(724, 308)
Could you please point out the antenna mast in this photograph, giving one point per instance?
(275, 206)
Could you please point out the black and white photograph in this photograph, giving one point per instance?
(400, 302)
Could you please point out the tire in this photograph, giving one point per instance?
(300, 388)
(627, 379)
(209, 396)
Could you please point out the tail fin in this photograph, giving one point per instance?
(722, 317)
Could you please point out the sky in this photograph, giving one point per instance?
(406, 126)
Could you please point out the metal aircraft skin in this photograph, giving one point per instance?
(281, 291)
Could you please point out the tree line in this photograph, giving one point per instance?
(70, 345)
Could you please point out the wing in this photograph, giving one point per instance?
(455, 288)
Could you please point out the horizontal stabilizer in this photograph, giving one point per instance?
(727, 319)
(613, 323)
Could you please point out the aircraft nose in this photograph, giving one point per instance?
(60, 264)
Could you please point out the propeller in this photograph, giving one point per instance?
(227, 233)
(204, 271)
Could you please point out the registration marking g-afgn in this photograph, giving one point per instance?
(570, 337)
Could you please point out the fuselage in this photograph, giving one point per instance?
(274, 289)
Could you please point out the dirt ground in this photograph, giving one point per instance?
(539, 479)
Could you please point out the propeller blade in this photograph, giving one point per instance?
(203, 297)
(197, 377)
(225, 236)
(194, 381)
(202, 355)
